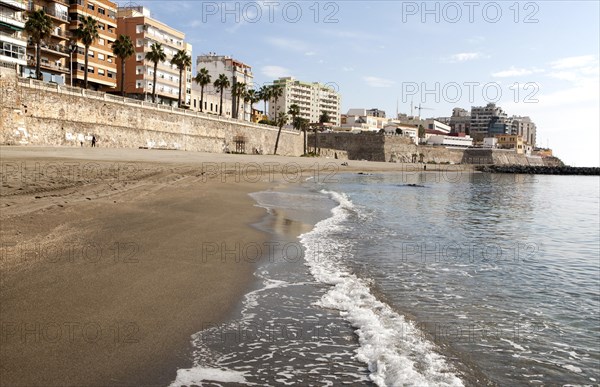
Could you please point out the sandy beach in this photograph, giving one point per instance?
(111, 257)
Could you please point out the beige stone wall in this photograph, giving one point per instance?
(42, 114)
(377, 147)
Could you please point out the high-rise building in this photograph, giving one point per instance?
(484, 118)
(460, 121)
(376, 113)
(102, 65)
(137, 23)
(13, 45)
(55, 50)
(312, 98)
(524, 127)
(236, 71)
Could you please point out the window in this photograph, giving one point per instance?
(139, 57)
(101, 11)
(138, 85)
(12, 51)
(100, 56)
(90, 70)
(101, 42)
(91, 53)
(100, 72)
(101, 27)
(112, 75)
(91, 7)
(139, 43)
(139, 28)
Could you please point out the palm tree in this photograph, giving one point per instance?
(253, 97)
(323, 118)
(87, 32)
(123, 49)
(276, 93)
(238, 91)
(280, 121)
(182, 60)
(39, 27)
(302, 124)
(264, 93)
(294, 111)
(221, 84)
(155, 55)
(203, 79)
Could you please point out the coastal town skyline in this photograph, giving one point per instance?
(436, 55)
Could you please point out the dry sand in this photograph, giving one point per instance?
(103, 276)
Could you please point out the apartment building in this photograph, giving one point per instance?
(526, 128)
(102, 65)
(460, 121)
(485, 117)
(138, 23)
(13, 44)
(236, 71)
(312, 98)
(211, 102)
(55, 50)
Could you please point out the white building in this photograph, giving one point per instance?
(312, 98)
(436, 125)
(211, 102)
(236, 71)
(13, 45)
(439, 139)
(409, 131)
(360, 120)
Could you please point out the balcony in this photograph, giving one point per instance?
(14, 22)
(62, 34)
(20, 5)
(49, 65)
(53, 48)
(50, 12)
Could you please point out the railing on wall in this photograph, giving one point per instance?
(99, 95)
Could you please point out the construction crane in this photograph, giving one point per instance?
(419, 108)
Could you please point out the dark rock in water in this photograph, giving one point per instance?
(540, 170)
(413, 185)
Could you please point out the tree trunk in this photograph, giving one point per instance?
(202, 98)
(179, 99)
(154, 83)
(221, 104)
(85, 74)
(277, 141)
(122, 77)
(38, 60)
(305, 141)
(316, 142)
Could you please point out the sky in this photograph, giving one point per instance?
(533, 58)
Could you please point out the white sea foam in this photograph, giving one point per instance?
(197, 375)
(391, 346)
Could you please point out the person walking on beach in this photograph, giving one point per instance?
(93, 141)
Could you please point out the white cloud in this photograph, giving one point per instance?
(310, 53)
(515, 72)
(464, 57)
(574, 62)
(378, 82)
(275, 71)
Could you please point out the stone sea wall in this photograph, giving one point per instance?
(378, 147)
(33, 113)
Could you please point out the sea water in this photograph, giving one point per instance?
(419, 279)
